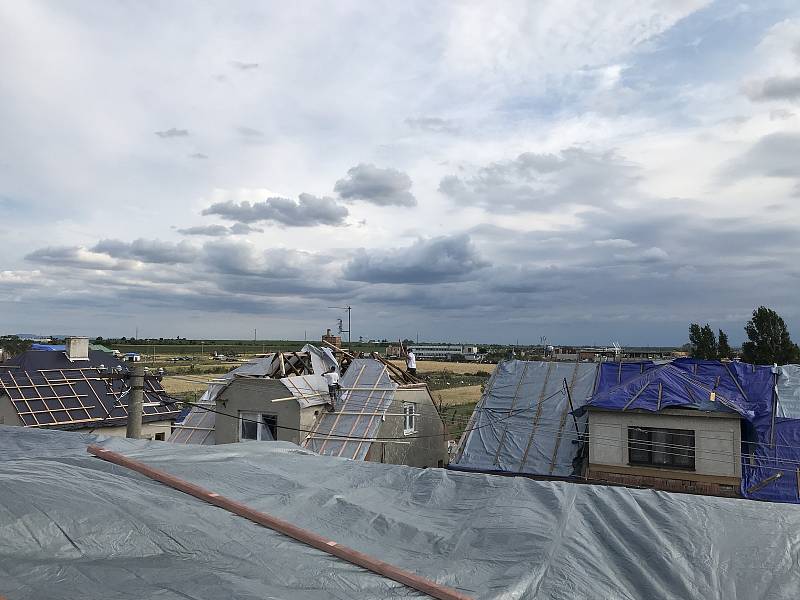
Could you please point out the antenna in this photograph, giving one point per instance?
(348, 308)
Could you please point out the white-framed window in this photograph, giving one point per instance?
(259, 427)
(409, 418)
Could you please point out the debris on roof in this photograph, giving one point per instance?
(301, 373)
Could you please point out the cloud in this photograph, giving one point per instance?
(436, 260)
(775, 88)
(774, 155)
(71, 256)
(172, 133)
(433, 124)
(382, 187)
(244, 66)
(545, 181)
(220, 230)
(308, 211)
(614, 243)
(210, 230)
(198, 155)
(148, 251)
(249, 133)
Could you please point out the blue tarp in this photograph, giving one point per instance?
(49, 347)
(771, 443)
(669, 386)
(613, 374)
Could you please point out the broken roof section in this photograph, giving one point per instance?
(301, 373)
(48, 390)
(367, 391)
(78, 528)
(523, 425)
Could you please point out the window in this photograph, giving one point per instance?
(159, 437)
(409, 418)
(257, 427)
(655, 447)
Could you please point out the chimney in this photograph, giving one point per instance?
(328, 334)
(77, 348)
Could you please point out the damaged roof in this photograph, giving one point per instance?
(48, 390)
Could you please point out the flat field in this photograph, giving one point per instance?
(435, 366)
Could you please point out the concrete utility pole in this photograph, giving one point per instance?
(135, 403)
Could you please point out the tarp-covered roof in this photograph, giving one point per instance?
(78, 528)
(522, 423)
(48, 390)
(347, 431)
(668, 386)
(789, 391)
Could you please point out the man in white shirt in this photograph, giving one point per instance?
(411, 363)
(332, 378)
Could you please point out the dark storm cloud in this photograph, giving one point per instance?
(432, 124)
(775, 88)
(545, 181)
(149, 251)
(434, 260)
(172, 133)
(308, 211)
(382, 187)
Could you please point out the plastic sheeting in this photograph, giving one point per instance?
(668, 386)
(367, 391)
(614, 373)
(522, 423)
(789, 391)
(78, 528)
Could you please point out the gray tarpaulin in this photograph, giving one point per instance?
(789, 391)
(523, 424)
(73, 527)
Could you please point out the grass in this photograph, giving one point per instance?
(434, 366)
(457, 396)
(456, 419)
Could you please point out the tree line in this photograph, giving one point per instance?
(768, 341)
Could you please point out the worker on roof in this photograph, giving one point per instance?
(411, 362)
(332, 378)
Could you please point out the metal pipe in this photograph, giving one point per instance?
(427, 586)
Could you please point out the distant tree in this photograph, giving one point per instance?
(99, 339)
(12, 345)
(703, 342)
(723, 347)
(769, 340)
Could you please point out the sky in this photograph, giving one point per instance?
(457, 171)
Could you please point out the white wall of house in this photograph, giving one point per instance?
(717, 438)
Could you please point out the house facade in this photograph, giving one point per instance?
(677, 450)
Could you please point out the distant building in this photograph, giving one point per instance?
(334, 340)
(448, 352)
(65, 389)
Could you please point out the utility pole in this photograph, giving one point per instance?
(135, 404)
(348, 308)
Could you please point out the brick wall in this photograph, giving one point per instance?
(668, 485)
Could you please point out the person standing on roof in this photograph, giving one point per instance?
(411, 362)
(332, 378)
